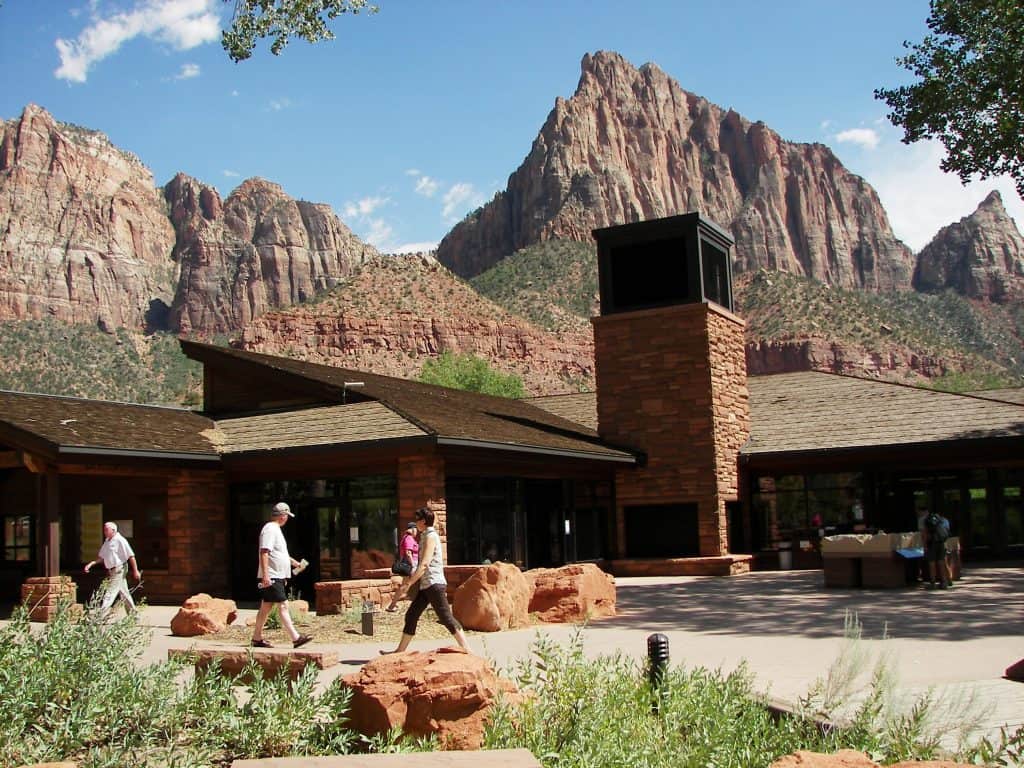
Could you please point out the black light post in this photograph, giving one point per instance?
(657, 665)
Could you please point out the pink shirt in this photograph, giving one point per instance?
(412, 547)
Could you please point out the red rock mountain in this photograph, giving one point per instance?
(396, 312)
(980, 256)
(84, 234)
(257, 250)
(631, 144)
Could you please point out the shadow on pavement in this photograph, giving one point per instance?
(985, 602)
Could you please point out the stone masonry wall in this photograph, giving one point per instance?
(421, 484)
(197, 539)
(667, 381)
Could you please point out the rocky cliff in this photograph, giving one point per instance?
(631, 144)
(980, 256)
(395, 312)
(84, 235)
(257, 250)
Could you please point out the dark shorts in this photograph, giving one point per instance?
(935, 551)
(275, 593)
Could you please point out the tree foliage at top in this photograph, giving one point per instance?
(282, 20)
(472, 374)
(970, 92)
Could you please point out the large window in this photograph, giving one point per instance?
(17, 544)
(343, 526)
(797, 506)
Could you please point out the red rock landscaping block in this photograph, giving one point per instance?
(447, 693)
(271, 661)
(203, 615)
(572, 593)
(495, 597)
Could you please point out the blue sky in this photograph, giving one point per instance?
(415, 115)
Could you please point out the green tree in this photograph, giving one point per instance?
(970, 93)
(282, 20)
(471, 373)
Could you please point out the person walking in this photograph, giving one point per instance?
(429, 577)
(116, 554)
(273, 574)
(408, 550)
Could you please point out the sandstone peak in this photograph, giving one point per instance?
(631, 144)
(980, 256)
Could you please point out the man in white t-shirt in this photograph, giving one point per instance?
(116, 554)
(273, 574)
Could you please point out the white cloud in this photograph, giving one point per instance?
(920, 199)
(379, 233)
(412, 172)
(182, 24)
(864, 137)
(278, 104)
(426, 186)
(187, 71)
(459, 200)
(231, 174)
(234, 92)
(424, 247)
(360, 209)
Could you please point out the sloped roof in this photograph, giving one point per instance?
(454, 417)
(329, 425)
(580, 407)
(816, 411)
(55, 426)
(1009, 395)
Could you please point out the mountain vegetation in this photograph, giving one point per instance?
(554, 284)
(51, 357)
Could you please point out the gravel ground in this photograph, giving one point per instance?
(341, 628)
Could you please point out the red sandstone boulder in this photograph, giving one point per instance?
(572, 593)
(447, 693)
(850, 758)
(203, 615)
(494, 598)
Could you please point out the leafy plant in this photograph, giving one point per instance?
(470, 373)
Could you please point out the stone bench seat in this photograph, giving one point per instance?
(271, 660)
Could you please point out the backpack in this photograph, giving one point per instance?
(937, 527)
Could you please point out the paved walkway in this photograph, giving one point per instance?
(786, 626)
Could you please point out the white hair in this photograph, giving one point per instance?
(112, 526)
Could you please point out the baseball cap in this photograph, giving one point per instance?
(282, 509)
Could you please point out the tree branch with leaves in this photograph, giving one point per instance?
(970, 89)
(282, 20)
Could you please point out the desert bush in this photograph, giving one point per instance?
(598, 712)
(75, 689)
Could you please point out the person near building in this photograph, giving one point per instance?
(432, 586)
(408, 550)
(116, 554)
(275, 569)
(935, 533)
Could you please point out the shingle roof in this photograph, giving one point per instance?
(1011, 395)
(815, 411)
(329, 425)
(454, 417)
(579, 407)
(66, 425)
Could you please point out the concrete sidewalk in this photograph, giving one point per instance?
(785, 625)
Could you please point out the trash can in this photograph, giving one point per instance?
(785, 556)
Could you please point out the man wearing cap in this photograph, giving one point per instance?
(275, 569)
(116, 554)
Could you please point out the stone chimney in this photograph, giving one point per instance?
(671, 382)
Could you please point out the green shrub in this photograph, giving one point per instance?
(470, 373)
(73, 690)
